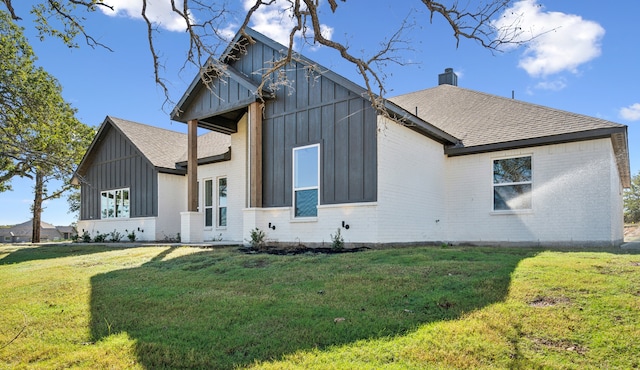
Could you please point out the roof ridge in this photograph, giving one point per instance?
(510, 100)
(114, 119)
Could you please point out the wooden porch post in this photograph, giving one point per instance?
(192, 166)
(255, 155)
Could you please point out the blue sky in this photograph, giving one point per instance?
(588, 62)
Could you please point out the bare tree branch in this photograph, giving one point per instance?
(55, 5)
(12, 12)
(471, 20)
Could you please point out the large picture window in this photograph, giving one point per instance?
(114, 203)
(512, 183)
(222, 202)
(306, 174)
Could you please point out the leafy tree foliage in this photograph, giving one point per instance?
(632, 201)
(40, 138)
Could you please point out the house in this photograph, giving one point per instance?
(22, 233)
(454, 165)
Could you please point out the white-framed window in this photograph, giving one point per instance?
(114, 203)
(222, 202)
(512, 183)
(306, 180)
(7, 238)
(208, 203)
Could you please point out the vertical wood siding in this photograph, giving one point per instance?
(117, 164)
(224, 94)
(314, 109)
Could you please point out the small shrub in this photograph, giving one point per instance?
(132, 236)
(257, 239)
(172, 239)
(100, 238)
(86, 237)
(337, 241)
(115, 236)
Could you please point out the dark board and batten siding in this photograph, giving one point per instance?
(116, 165)
(224, 95)
(315, 109)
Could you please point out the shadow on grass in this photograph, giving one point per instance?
(223, 309)
(46, 252)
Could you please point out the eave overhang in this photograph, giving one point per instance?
(419, 125)
(226, 156)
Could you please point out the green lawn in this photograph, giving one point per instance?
(166, 307)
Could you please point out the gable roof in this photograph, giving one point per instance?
(234, 51)
(485, 122)
(161, 147)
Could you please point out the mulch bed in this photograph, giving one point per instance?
(291, 251)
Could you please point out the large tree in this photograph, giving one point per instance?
(40, 137)
(204, 22)
(632, 201)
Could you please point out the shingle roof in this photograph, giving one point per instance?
(161, 147)
(478, 118)
(164, 148)
(209, 145)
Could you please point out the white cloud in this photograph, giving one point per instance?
(554, 85)
(564, 41)
(276, 21)
(158, 11)
(631, 113)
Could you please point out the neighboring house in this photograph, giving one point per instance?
(460, 167)
(22, 233)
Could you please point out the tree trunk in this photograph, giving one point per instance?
(37, 208)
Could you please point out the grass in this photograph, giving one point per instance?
(179, 307)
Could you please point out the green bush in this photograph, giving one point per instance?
(337, 241)
(115, 236)
(132, 236)
(100, 238)
(258, 238)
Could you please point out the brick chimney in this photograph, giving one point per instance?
(448, 77)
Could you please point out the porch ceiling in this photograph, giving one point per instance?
(226, 123)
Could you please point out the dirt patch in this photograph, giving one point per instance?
(549, 301)
(291, 251)
(559, 345)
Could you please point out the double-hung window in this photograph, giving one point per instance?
(512, 183)
(222, 201)
(306, 180)
(208, 203)
(114, 203)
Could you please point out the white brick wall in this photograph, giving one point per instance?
(411, 186)
(617, 204)
(191, 227)
(360, 217)
(144, 227)
(571, 203)
(172, 199)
